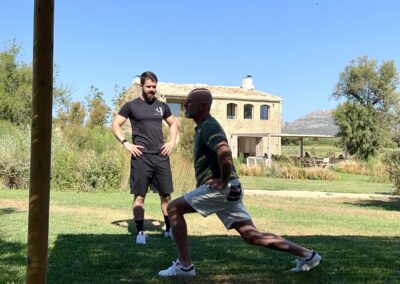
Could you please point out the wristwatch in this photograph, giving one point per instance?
(123, 141)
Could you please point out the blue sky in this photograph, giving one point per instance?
(294, 49)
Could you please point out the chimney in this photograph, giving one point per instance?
(247, 83)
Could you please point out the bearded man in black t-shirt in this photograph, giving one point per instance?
(150, 165)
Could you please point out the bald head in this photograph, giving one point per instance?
(202, 95)
(198, 104)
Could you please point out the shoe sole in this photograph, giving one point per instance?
(309, 268)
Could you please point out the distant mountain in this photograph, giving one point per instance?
(318, 122)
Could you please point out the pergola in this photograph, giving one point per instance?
(270, 135)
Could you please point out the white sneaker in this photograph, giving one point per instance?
(305, 264)
(141, 238)
(168, 234)
(176, 269)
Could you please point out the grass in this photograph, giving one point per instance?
(90, 240)
(348, 183)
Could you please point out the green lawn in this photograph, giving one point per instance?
(91, 241)
(348, 183)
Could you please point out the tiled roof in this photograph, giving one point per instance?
(217, 91)
(180, 91)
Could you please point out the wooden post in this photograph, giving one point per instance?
(269, 151)
(42, 101)
(301, 147)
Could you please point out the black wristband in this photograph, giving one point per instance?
(123, 141)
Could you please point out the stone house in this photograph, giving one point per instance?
(245, 113)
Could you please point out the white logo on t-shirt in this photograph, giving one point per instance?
(159, 111)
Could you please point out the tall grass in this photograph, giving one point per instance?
(377, 171)
(14, 155)
(373, 168)
(286, 169)
(182, 173)
(351, 167)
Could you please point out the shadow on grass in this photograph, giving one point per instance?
(149, 225)
(392, 204)
(12, 259)
(220, 259)
(4, 211)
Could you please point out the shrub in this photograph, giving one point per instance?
(350, 167)
(101, 139)
(377, 171)
(87, 170)
(104, 172)
(14, 155)
(65, 171)
(246, 170)
(392, 161)
(76, 137)
(290, 171)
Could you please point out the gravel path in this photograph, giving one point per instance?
(318, 194)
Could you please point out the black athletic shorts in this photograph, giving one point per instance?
(151, 170)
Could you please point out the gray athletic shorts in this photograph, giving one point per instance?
(226, 203)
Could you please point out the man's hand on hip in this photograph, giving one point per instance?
(134, 149)
(166, 149)
(217, 183)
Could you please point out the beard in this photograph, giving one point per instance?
(148, 96)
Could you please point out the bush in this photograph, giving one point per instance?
(350, 167)
(246, 170)
(290, 171)
(76, 137)
(87, 170)
(66, 174)
(286, 169)
(392, 161)
(101, 139)
(377, 171)
(14, 155)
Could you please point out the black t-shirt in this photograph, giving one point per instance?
(146, 121)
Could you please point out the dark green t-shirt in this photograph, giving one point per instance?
(206, 165)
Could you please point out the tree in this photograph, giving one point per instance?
(396, 126)
(98, 110)
(15, 87)
(371, 101)
(368, 84)
(362, 130)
